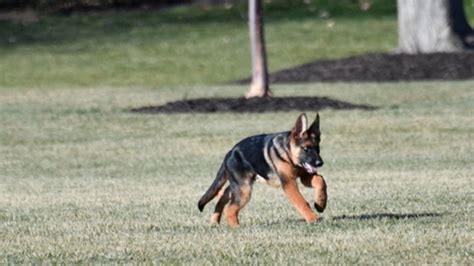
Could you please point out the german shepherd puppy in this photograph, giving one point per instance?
(278, 159)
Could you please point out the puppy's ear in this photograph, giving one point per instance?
(300, 126)
(314, 128)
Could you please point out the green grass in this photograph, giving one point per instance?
(183, 45)
(186, 45)
(84, 181)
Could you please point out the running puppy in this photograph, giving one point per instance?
(279, 159)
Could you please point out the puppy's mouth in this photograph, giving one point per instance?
(309, 168)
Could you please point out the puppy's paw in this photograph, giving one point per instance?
(314, 219)
(320, 208)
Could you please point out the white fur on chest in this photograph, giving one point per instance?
(272, 180)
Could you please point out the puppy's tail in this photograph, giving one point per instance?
(215, 187)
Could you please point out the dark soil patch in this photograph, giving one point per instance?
(257, 105)
(370, 67)
(381, 67)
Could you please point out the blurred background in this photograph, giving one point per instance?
(162, 43)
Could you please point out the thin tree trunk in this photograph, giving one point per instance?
(427, 26)
(259, 86)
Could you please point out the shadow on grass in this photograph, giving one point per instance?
(294, 221)
(362, 217)
(391, 216)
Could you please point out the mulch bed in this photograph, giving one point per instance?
(363, 68)
(381, 68)
(256, 105)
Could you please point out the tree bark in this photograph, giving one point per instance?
(428, 26)
(259, 86)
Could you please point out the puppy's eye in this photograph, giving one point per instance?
(306, 149)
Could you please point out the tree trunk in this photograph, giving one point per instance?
(460, 24)
(259, 86)
(428, 26)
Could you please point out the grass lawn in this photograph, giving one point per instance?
(183, 45)
(187, 45)
(83, 180)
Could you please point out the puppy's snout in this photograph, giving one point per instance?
(319, 163)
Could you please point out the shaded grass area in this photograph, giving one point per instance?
(82, 180)
(184, 45)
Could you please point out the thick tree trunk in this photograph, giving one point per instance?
(259, 86)
(460, 24)
(427, 26)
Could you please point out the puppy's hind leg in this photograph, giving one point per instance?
(240, 190)
(240, 195)
(241, 178)
(223, 200)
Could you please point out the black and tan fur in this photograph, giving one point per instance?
(278, 159)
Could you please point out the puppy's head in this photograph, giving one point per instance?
(304, 144)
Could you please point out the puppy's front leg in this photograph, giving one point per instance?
(319, 189)
(290, 187)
